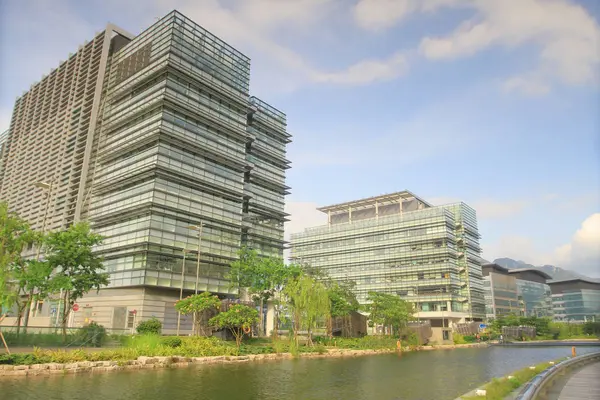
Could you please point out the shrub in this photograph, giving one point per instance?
(171, 341)
(459, 339)
(91, 335)
(150, 326)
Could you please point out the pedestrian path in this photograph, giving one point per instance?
(583, 385)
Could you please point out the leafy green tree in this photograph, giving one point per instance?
(77, 270)
(198, 305)
(237, 319)
(309, 301)
(389, 311)
(15, 236)
(342, 300)
(263, 277)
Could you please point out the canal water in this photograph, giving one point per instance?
(436, 375)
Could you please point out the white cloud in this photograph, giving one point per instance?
(565, 33)
(302, 215)
(254, 26)
(581, 254)
(531, 87)
(368, 71)
(494, 209)
(378, 15)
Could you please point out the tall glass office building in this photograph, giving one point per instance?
(400, 244)
(165, 153)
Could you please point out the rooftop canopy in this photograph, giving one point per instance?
(392, 198)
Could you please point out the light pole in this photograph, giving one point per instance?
(199, 229)
(181, 289)
(47, 187)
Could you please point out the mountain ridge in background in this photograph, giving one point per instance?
(557, 273)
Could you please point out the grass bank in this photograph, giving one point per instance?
(164, 346)
(500, 388)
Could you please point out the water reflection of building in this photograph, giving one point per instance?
(576, 300)
(500, 291)
(400, 244)
(534, 292)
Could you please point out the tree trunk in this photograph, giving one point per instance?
(296, 326)
(19, 317)
(27, 310)
(65, 316)
(261, 324)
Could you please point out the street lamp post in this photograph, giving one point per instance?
(181, 289)
(199, 229)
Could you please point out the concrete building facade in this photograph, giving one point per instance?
(400, 244)
(165, 152)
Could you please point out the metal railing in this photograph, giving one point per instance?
(538, 386)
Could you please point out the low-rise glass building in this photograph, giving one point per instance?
(400, 244)
(576, 300)
(500, 291)
(534, 292)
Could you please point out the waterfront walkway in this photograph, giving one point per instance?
(583, 385)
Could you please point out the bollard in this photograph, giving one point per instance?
(573, 352)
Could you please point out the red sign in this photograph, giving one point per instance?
(75, 307)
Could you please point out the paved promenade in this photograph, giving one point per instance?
(583, 385)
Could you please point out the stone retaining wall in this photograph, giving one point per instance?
(180, 362)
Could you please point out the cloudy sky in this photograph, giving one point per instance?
(492, 102)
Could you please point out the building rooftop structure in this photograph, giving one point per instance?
(530, 274)
(381, 200)
(490, 267)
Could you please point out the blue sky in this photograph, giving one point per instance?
(492, 102)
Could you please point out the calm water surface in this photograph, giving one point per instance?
(436, 375)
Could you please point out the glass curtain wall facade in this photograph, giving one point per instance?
(576, 300)
(264, 179)
(399, 244)
(165, 153)
(501, 292)
(534, 292)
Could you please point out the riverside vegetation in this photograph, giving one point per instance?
(500, 388)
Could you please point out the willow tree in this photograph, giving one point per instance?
(309, 302)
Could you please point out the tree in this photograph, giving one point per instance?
(389, 311)
(342, 301)
(32, 280)
(264, 277)
(238, 319)
(77, 270)
(309, 301)
(198, 304)
(15, 236)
